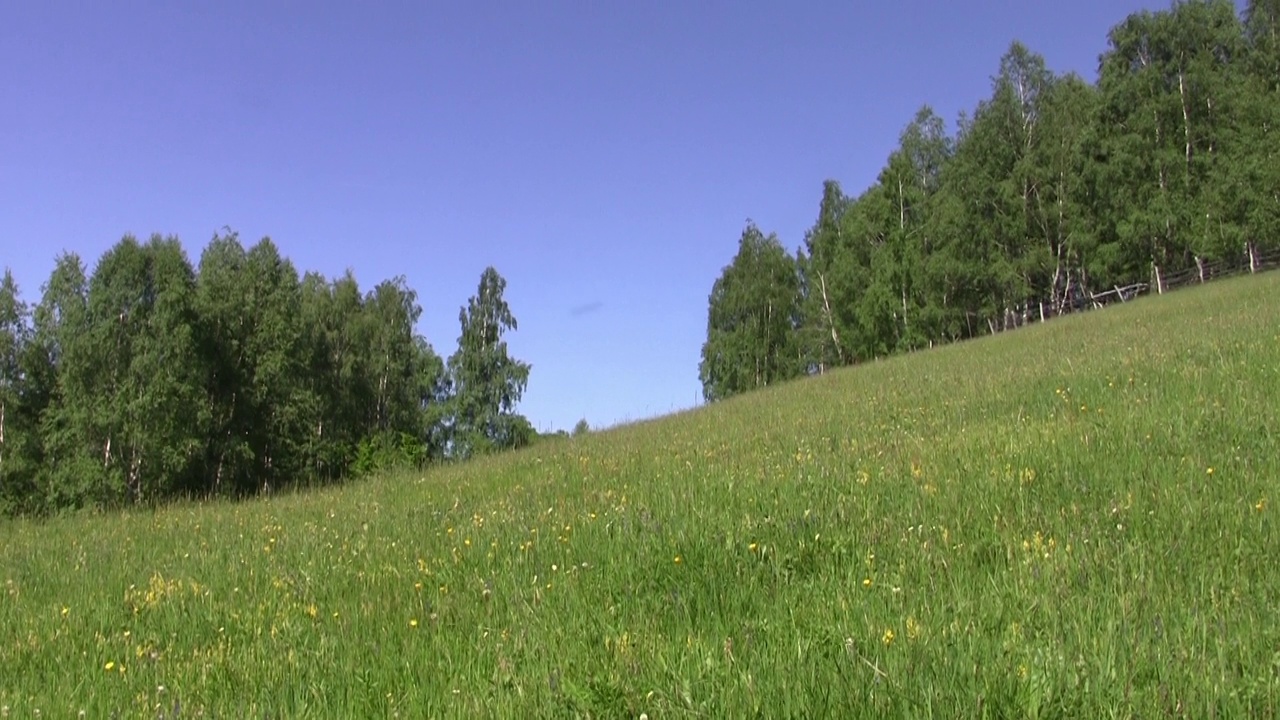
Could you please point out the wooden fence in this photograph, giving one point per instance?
(1077, 300)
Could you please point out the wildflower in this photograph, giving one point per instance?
(888, 637)
(753, 547)
(413, 622)
(66, 610)
(913, 628)
(1260, 505)
(1208, 471)
(111, 665)
(677, 560)
(866, 582)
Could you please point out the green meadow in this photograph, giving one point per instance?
(1075, 520)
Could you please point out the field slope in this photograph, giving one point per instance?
(1076, 519)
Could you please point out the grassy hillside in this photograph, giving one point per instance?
(1071, 520)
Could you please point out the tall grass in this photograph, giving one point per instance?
(1072, 520)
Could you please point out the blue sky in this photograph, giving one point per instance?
(603, 156)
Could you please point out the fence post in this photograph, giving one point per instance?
(1159, 282)
(1253, 257)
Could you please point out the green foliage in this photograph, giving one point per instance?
(142, 390)
(17, 433)
(751, 323)
(1076, 520)
(149, 380)
(1171, 100)
(581, 428)
(59, 367)
(1051, 190)
(388, 451)
(486, 383)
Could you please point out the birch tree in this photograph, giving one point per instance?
(752, 317)
(485, 381)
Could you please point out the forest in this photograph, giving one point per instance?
(150, 379)
(1052, 189)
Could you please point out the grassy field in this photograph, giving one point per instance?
(1072, 520)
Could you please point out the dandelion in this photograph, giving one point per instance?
(677, 560)
(888, 637)
(753, 547)
(1209, 471)
(413, 622)
(66, 610)
(111, 665)
(866, 582)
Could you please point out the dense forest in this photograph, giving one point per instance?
(151, 379)
(1053, 188)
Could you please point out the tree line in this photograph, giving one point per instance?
(1051, 188)
(151, 379)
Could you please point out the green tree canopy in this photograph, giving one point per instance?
(752, 320)
(485, 381)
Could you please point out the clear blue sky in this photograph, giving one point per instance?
(604, 156)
